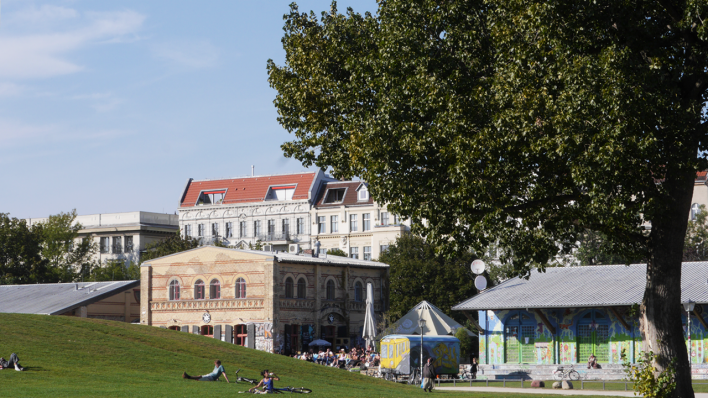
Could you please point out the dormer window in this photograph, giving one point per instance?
(363, 194)
(281, 193)
(335, 195)
(211, 197)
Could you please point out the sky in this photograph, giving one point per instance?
(112, 106)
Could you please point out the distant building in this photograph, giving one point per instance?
(243, 211)
(122, 236)
(346, 217)
(274, 302)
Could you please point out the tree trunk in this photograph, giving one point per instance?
(660, 319)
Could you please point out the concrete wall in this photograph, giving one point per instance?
(122, 307)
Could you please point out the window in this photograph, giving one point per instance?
(229, 230)
(187, 231)
(214, 229)
(128, 244)
(271, 228)
(383, 248)
(330, 290)
(240, 288)
(200, 230)
(366, 222)
(289, 287)
(358, 292)
(384, 218)
(321, 225)
(334, 224)
(300, 226)
(242, 229)
(286, 226)
(335, 195)
(695, 210)
(256, 228)
(105, 245)
(214, 289)
(117, 244)
(352, 222)
(281, 193)
(240, 334)
(354, 252)
(367, 253)
(363, 194)
(199, 290)
(207, 330)
(396, 219)
(211, 197)
(174, 290)
(301, 288)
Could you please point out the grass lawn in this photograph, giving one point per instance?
(72, 357)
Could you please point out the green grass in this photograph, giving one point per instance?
(72, 357)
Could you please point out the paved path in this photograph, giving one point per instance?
(547, 391)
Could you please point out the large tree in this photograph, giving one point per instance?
(521, 122)
(69, 257)
(21, 258)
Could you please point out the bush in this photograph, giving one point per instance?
(643, 375)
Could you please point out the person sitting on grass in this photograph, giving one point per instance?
(14, 362)
(213, 376)
(266, 383)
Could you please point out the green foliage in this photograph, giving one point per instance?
(465, 342)
(21, 253)
(596, 249)
(336, 252)
(696, 244)
(418, 273)
(648, 381)
(257, 246)
(68, 256)
(173, 244)
(115, 270)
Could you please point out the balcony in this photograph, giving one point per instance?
(206, 304)
(275, 238)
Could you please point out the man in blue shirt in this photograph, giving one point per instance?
(213, 376)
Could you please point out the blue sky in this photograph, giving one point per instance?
(112, 106)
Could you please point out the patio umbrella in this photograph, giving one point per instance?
(320, 342)
(369, 319)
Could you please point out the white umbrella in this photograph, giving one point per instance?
(320, 342)
(369, 333)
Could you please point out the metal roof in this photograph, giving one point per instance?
(584, 286)
(57, 298)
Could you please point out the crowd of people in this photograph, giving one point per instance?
(357, 357)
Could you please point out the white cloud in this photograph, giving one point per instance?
(190, 54)
(41, 16)
(101, 102)
(10, 89)
(42, 55)
(17, 134)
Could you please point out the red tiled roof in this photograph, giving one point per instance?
(248, 189)
(701, 176)
(350, 197)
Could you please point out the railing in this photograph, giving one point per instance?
(503, 381)
(297, 303)
(206, 304)
(273, 237)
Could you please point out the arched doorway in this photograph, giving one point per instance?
(593, 332)
(174, 328)
(519, 337)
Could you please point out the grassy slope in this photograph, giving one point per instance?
(83, 357)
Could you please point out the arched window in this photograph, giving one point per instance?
(593, 334)
(695, 210)
(214, 289)
(358, 292)
(199, 290)
(174, 290)
(330, 290)
(240, 288)
(289, 287)
(301, 288)
(520, 335)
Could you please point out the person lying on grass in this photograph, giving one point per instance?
(213, 376)
(266, 383)
(14, 362)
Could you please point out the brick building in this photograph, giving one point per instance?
(269, 301)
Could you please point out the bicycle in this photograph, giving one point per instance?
(561, 372)
(294, 390)
(247, 380)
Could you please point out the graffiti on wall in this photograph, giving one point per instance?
(264, 336)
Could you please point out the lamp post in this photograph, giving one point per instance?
(688, 306)
(421, 324)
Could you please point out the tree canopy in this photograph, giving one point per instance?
(173, 244)
(518, 122)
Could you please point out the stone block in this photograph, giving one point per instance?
(567, 385)
(557, 385)
(538, 384)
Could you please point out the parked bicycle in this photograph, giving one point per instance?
(562, 372)
(245, 379)
(294, 390)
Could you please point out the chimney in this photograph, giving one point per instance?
(252, 171)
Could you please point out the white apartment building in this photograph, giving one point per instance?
(241, 211)
(122, 236)
(346, 217)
